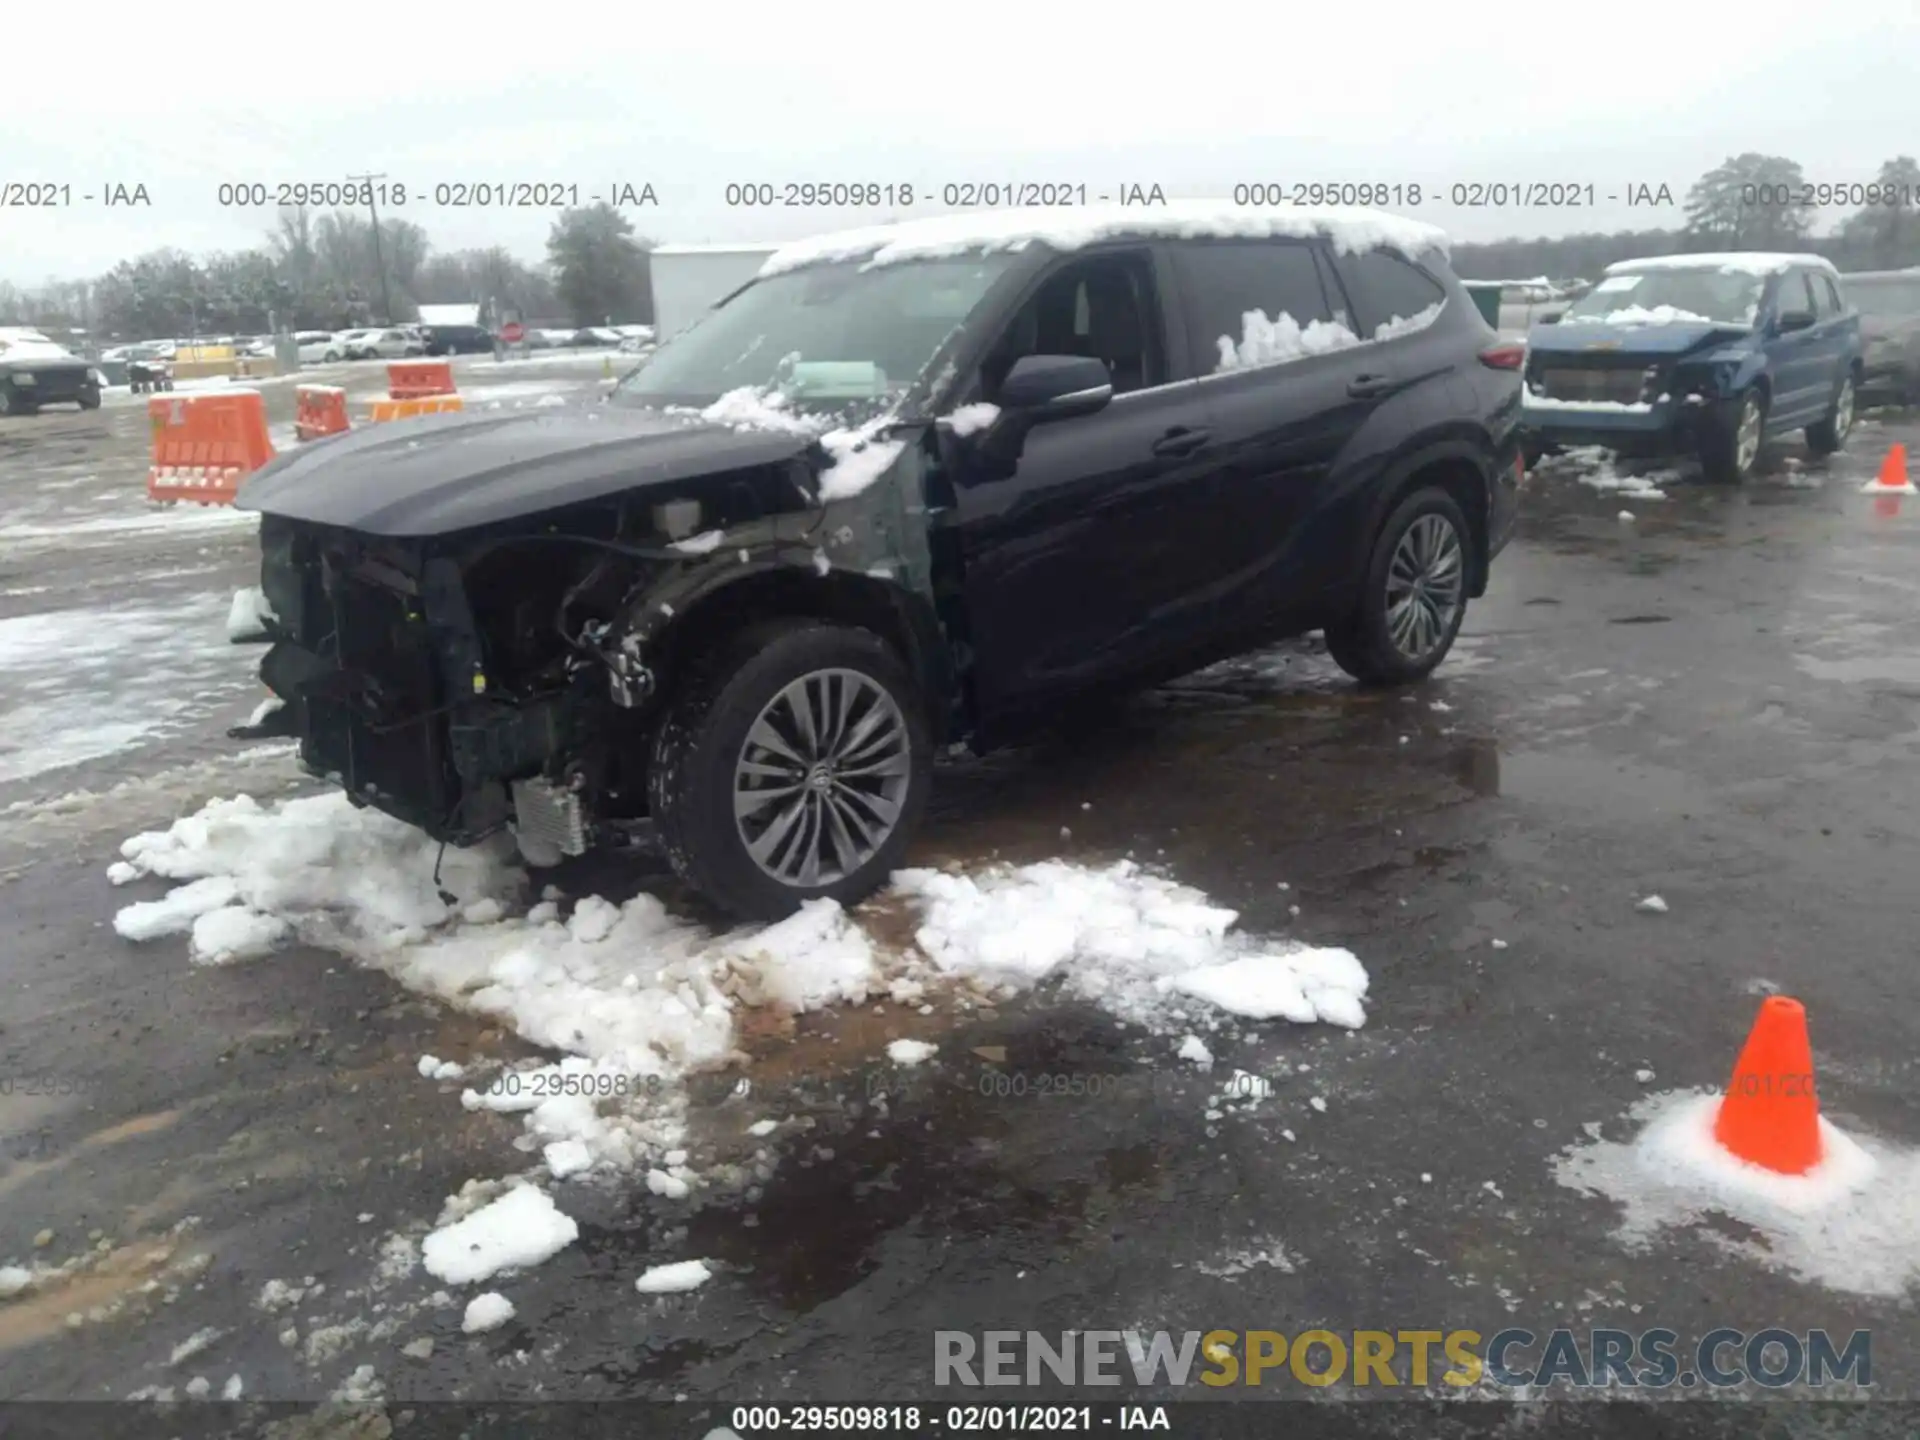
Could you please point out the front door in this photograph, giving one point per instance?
(1089, 560)
(1796, 358)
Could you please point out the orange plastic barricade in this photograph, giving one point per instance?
(420, 405)
(319, 410)
(205, 445)
(410, 379)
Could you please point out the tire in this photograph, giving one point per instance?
(1724, 456)
(90, 400)
(8, 405)
(332, 357)
(1828, 435)
(700, 749)
(1419, 535)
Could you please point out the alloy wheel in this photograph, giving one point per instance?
(822, 777)
(1843, 410)
(1426, 583)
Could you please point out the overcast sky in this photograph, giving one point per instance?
(1193, 97)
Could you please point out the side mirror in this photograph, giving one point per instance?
(1055, 387)
(1791, 320)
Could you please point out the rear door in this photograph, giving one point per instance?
(1838, 328)
(1288, 387)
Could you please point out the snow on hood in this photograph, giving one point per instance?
(1641, 315)
(23, 349)
(859, 456)
(1349, 229)
(1744, 262)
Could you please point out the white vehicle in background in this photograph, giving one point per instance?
(597, 335)
(319, 347)
(392, 343)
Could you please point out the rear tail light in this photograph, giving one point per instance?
(1510, 356)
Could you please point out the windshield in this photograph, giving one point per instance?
(1887, 300)
(828, 334)
(1673, 296)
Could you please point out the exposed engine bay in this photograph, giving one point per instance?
(502, 676)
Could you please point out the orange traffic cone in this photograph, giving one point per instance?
(1893, 474)
(1770, 1116)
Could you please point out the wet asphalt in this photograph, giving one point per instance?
(1716, 701)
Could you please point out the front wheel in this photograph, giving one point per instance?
(1731, 449)
(89, 399)
(794, 764)
(1830, 433)
(1413, 596)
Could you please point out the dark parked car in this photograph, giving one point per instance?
(1706, 354)
(459, 340)
(1889, 306)
(1016, 476)
(35, 372)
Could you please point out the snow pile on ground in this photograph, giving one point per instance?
(636, 999)
(522, 1228)
(1598, 469)
(1851, 1224)
(486, 1312)
(674, 1279)
(1134, 943)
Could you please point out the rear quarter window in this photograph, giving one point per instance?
(1387, 290)
(1254, 302)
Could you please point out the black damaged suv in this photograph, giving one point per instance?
(913, 485)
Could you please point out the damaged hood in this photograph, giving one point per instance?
(1574, 337)
(441, 473)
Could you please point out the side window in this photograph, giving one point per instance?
(1387, 291)
(1794, 293)
(1835, 304)
(1258, 302)
(1823, 305)
(1104, 307)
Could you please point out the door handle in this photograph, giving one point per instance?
(1180, 441)
(1366, 387)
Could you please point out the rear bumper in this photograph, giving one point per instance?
(53, 387)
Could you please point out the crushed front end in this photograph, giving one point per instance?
(500, 678)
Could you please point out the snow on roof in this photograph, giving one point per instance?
(449, 315)
(1069, 229)
(717, 248)
(1752, 262)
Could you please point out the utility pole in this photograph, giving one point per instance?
(386, 300)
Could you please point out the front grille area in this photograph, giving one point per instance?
(373, 714)
(1616, 383)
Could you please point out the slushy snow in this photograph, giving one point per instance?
(971, 419)
(1851, 1224)
(910, 1052)
(522, 1228)
(673, 1279)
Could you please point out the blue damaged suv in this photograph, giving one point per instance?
(1711, 355)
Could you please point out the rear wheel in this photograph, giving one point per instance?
(1413, 596)
(1730, 451)
(89, 399)
(1830, 433)
(793, 764)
